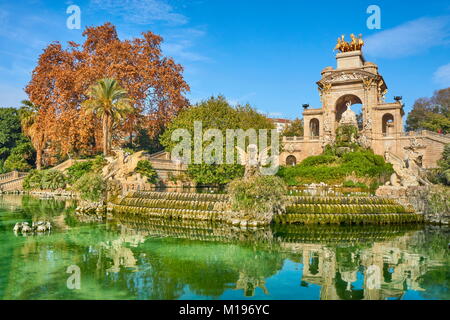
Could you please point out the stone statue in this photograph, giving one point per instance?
(252, 160)
(348, 117)
(407, 171)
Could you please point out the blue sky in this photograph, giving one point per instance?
(267, 53)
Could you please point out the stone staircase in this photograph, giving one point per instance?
(346, 210)
(171, 205)
(335, 210)
(164, 166)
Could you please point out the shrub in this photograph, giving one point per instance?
(258, 197)
(33, 180)
(16, 162)
(91, 187)
(77, 170)
(45, 180)
(213, 174)
(145, 168)
(331, 168)
(53, 180)
(318, 160)
(98, 163)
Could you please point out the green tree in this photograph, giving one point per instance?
(145, 168)
(16, 152)
(29, 114)
(91, 186)
(293, 129)
(10, 131)
(431, 113)
(444, 166)
(214, 113)
(109, 101)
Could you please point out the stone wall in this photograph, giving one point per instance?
(431, 201)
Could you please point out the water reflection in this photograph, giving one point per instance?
(130, 258)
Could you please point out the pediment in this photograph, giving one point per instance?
(348, 76)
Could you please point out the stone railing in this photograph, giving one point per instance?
(12, 185)
(293, 139)
(12, 175)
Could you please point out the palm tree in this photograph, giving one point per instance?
(109, 101)
(29, 118)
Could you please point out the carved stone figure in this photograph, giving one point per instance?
(348, 117)
(407, 172)
(252, 160)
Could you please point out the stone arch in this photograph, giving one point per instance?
(291, 161)
(340, 105)
(314, 127)
(387, 124)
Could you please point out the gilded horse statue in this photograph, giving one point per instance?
(354, 45)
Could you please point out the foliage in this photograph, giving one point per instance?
(431, 113)
(142, 141)
(145, 168)
(108, 101)
(442, 174)
(259, 196)
(53, 180)
(98, 163)
(333, 169)
(77, 170)
(33, 126)
(352, 184)
(91, 187)
(214, 113)
(59, 82)
(346, 135)
(221, 174)
(45, 180)
(10, 131)
(33, 180)
(16, 162)
(294, 129)
(16, 151)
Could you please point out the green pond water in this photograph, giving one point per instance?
(130, 258)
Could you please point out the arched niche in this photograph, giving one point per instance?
(291, 161)
(314, 127)
(341, 106)
(387, 124)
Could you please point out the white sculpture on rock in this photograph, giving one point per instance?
(348, 117)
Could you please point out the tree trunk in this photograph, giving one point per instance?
(39, 159)
(105, 135)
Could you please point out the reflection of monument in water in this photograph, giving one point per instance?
(385, 269)
(343, 262)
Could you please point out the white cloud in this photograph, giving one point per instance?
(180, 49)
(442, 75)
(410, 38)
(141, 11)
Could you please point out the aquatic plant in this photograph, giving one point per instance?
(259, 197)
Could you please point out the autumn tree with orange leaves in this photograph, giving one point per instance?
(61, 80)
